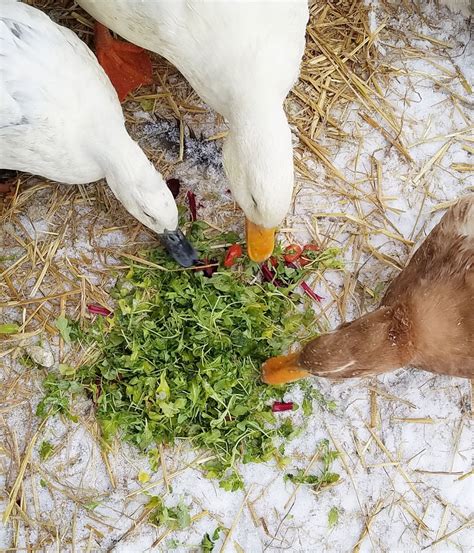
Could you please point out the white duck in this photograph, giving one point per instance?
(242, 59)
(60, 118)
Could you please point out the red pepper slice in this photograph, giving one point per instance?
(304, 260)
(292, 253)
(279, 406)
(233, 253)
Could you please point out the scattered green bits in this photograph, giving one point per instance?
(326, 477)
(45, 451)
(62, 325)
(208, 542)
(177, 518)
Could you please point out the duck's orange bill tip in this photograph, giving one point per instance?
(283, 369)
(260, 241)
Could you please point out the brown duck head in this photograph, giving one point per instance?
(375, 343)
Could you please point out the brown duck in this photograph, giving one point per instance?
(425, 320)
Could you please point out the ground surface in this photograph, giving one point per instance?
(382, 166)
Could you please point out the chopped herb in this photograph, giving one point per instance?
(8, 328)
(309, 254)
(46, 449)
(208, 542)
(177, 518)
(143, 477)
(333, 517)
(62, 325)
(326, 477)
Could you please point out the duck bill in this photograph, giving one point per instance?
(179, 247)
(283, 369)
(260, 241)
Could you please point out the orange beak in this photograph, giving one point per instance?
(260, 241)
(283, 369)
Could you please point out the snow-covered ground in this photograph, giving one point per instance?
(405, 438)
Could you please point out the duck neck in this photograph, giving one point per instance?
(264, 112)
(375, 343)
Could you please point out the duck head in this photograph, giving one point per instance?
(375, 343)
(144, 193)
(258, 159)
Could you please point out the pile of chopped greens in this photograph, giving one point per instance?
(180, 356)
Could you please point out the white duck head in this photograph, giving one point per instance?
(258, 159)
(144, 193)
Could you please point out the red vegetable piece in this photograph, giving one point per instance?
(174, 185)
(292, 253)
(311, 293)
(269, 276)
(233, 253)
(98, 310)
(308, 248)
(279, 406)
(192, 205)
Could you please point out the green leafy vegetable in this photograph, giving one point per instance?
(177, 518)
(208, 541)
(326, 477)
(333, 517)
(62, 325)
(180, 358)
(46, 449)
(8, 328)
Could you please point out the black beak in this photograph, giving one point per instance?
(179, 247)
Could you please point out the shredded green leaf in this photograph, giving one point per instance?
(177, 518)
(62, 325)
(45, 451)
(208, 541)
(333, 517)
(326, 477)
(8, 328)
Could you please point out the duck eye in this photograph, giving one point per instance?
(152, 219)
(254, 201)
